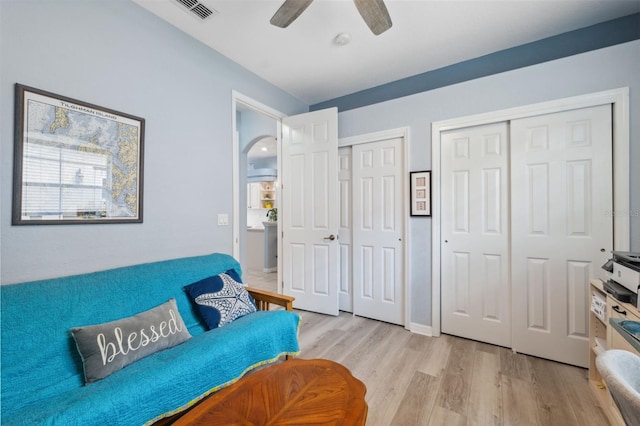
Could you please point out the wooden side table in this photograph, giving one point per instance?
(294, 392)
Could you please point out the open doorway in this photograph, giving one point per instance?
(255, 197)
(262, 212)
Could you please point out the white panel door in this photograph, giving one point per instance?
(378, 258)
(345, 302)
(310, 210)
(562, 228)
(475, 296)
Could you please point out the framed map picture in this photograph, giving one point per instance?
(420, 193)
(75, 162)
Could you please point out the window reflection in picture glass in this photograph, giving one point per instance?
(75, 162)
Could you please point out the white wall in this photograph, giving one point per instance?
(609, 68)
(117, 55)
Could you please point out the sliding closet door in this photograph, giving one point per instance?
(562, 227)
(345, 293)
(475, 288)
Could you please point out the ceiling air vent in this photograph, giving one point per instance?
(198, 9)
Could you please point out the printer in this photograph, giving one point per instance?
(624, 269)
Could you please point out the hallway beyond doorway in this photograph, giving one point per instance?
(261, 280)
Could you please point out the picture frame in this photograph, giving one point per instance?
(420, 193)
(75, 162)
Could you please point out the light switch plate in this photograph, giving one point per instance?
(223, 219)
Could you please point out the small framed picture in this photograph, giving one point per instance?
(420, 193)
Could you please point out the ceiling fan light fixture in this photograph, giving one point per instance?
(342, 39)
(374, 13)
(288, 12)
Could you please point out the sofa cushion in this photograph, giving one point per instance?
(109, 347)
(168, 381)
(221, 298)
(42, 363)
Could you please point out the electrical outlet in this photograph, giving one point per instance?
(223, 219)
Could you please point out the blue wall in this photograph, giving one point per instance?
(117, 55)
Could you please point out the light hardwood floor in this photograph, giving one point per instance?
(259, 279)
(417, 380)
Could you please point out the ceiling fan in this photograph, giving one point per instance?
(374, 13)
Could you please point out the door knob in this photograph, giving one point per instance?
(330, 237)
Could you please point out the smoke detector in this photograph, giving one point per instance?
(342, 39)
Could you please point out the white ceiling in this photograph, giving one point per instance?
(426, 35)
(263, 148)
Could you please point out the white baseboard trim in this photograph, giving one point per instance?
(425, 330)
(274, 269)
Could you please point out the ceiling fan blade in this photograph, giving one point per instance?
(288, 12)
(375, 14)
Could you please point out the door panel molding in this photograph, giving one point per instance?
(377, 231)
(403, 133)
(575, 200)
(619, 98)
(309, 173)
(476, 300)
(345, 294)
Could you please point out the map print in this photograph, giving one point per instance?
(78, 162)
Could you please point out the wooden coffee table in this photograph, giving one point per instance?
(294, 392)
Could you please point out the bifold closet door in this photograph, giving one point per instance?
(475, 291)
(562, 227)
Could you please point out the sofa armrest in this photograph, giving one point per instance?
(264, 298)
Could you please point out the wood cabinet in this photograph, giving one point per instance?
(598, 330)
(603, 336)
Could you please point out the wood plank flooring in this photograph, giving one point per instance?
(417, 380)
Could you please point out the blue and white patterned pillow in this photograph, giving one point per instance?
(221, 299)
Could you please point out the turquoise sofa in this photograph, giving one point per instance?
(41, 371)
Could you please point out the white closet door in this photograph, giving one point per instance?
(475, 293)
(378, 258)
(562, 228)
(345, 302)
